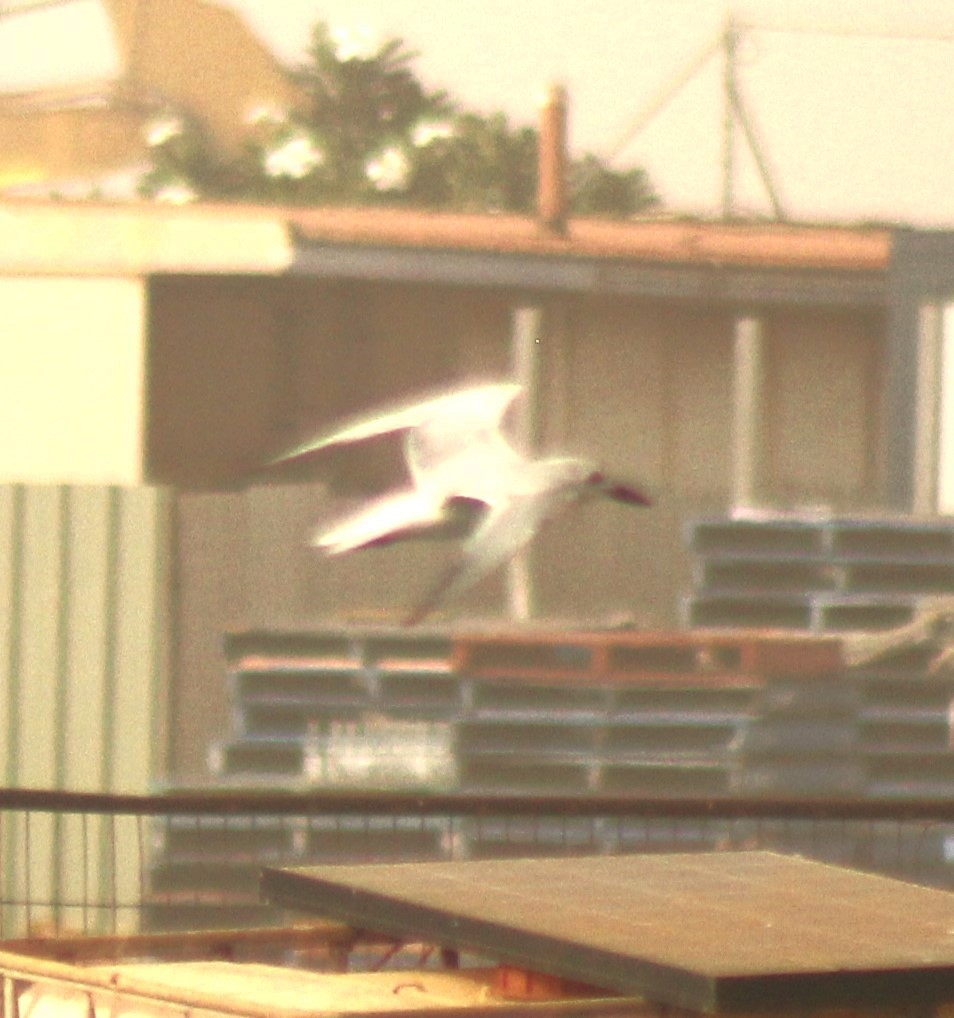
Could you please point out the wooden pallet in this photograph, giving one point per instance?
(703, 658)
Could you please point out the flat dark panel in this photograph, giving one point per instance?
(712, 932)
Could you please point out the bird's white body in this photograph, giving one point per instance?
(457, 457)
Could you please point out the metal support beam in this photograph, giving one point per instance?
(663, 98)
(736, 112)
(754, 141)
(729, 90)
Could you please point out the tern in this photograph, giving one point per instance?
(465, 478)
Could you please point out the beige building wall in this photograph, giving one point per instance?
(823, 410)
(194, 56)
(644, 389)
(202, 56)
(59, 143)
(72, 363)
(214, 376)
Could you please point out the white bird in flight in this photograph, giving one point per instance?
(465, 478)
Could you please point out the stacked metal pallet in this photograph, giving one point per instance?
(310, 709)
(614, 713)
(622, 712)
(701, 713)
(654, 714)
(820, 574)
(204, 870)
(905, 723)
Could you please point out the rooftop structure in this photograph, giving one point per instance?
(72, 120)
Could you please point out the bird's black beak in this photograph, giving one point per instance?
(619, 491)
(627, 493)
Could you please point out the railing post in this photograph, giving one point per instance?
(11, 1002)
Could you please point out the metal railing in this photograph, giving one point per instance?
(90, 863)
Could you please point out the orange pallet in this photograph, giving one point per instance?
(720, 657)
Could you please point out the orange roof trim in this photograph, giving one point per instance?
(757, 245)
(762, 245)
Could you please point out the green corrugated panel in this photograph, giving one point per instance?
(40, 674)
(139, 632)
(11, 546)
(83, 634)
(83, 677)
(88, 636)
(11, 554)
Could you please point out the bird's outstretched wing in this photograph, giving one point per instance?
(462, 412)
(397, 517)
(385, 519)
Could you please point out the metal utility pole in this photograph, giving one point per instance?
(735, 114)
(730, 41)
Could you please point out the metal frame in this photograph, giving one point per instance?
(248, 829)
(579, 274)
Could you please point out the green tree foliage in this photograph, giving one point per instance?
(372, 133)
(362, 106)
(599, 190)
(480, 164)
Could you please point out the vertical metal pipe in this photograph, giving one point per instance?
(111, 616)
(143, 877)
(747, 411)
(11, 1006)
(27, 875)
(110, 636)
(85, 838)
(61, 693)
(729, 45)
(163, 635)
(14, 599)
(110, 822)
(14, 602)
(61, 689)
(552, 190)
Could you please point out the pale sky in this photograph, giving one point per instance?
(854, 127)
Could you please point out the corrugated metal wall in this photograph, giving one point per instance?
(83, 635)
(83, 670)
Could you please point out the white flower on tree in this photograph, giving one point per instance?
(361, 43)
(388, 170)
(164, 128)
(176, 192)
(425, 132)
(265, 115)
(295, 157)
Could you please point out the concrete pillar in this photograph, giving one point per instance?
(945, 400)
(525, 340)
(747, 411)
(927, 409)
(934, 411)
